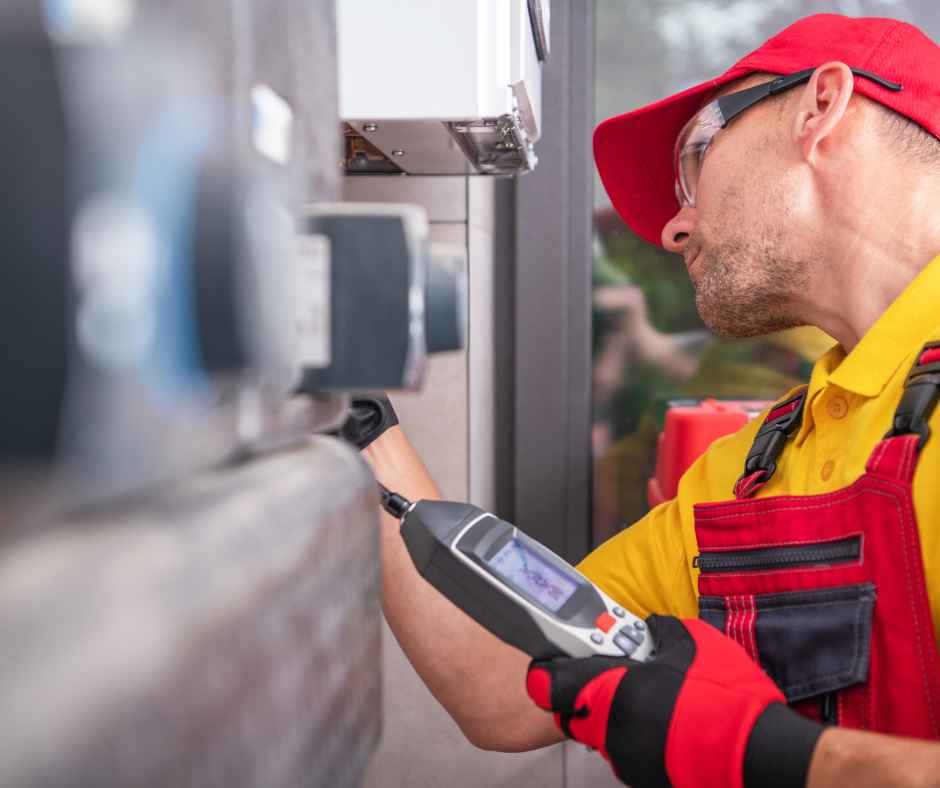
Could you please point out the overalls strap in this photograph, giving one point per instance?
(779, 424)
(896, 455)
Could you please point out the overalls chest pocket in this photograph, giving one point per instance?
(828, 592)
(811, 641)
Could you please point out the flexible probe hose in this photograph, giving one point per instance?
(393, 503)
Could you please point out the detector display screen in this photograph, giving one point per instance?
(522, 568)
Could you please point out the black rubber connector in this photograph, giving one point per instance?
(393, 503)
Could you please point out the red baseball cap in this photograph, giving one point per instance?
(634, 151)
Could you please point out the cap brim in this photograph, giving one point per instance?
(634, 153)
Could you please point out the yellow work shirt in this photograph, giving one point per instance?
(850, 405)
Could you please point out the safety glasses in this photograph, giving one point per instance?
(697, 135)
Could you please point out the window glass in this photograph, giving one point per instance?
(650, 349)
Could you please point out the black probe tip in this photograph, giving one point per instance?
(393, 503)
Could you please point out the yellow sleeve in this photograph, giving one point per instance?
(648, 567)
(644, 567)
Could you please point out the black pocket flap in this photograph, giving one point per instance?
(809, 642)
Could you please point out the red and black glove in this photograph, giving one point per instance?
(700, 713)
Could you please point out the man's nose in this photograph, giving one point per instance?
(676, 233)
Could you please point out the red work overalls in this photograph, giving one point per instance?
(827, 592)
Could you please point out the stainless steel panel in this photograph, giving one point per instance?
(481, 202)
(288, 46)
(443, 197)
(294, 51)
(222, 631)
(482, 382)
(417, 147)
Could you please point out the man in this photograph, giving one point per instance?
(800, 562)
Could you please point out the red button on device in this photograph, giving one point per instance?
(605, 621)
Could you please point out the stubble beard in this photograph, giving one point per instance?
(746, 292)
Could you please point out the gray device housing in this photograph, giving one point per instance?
(430, 529)
(372, 344)
(392, 298)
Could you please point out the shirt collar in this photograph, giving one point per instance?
(877, 356)
(879, 353)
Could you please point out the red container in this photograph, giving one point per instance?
(688, 430)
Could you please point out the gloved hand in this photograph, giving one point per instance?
(369, 416)
(700, 713)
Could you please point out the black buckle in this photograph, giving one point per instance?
(921, 392)
(771, 437)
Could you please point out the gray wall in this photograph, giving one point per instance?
(191, 635)
(452, 423)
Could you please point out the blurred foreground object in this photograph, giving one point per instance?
(145, 261)
(188, 580)
(211, 635)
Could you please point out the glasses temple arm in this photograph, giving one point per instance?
(735, 103)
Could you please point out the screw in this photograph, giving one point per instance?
(398, 152)
(370, 127)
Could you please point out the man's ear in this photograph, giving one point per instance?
(822, 106)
